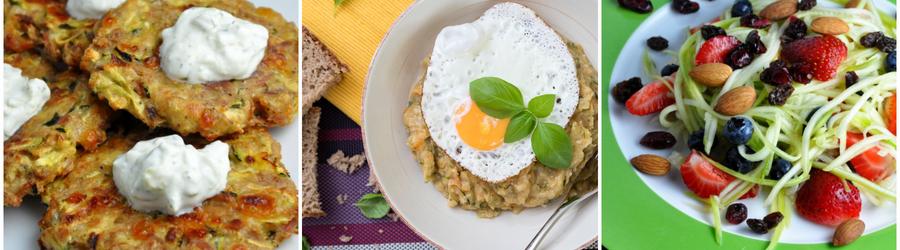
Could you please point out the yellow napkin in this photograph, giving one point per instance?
(352, 31)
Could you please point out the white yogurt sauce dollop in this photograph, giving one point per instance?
(163, 174)
(90, 9)
(23, 98)
(209, 45)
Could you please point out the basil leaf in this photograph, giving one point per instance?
(520, 126)
(552, 145)
(496, 97)
(373, 206)
(542, 105)
(306, 245)
(338, 2)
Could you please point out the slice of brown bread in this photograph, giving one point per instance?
(321, 69)
(311, 205)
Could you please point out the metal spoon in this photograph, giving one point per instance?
(565, 207)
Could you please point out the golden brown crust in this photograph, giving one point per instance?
(45, 147)
(124, 63)
(257, 210)
(45, 25)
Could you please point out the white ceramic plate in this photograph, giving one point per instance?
(629, 129)
(394, 70)
(20, 226)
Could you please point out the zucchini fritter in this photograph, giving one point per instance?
(45, 147)
(45, 25)
(257, 210)
(125, 70)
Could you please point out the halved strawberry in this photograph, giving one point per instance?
(890, 113)
(651, 99)
(823, 53)
(716, 49)
(869, 164)
(823, 199)
(704, 179)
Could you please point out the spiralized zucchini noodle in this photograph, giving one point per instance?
(810, 129)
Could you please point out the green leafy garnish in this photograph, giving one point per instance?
(306, 245)
(542, 105)
(373, 206)
(496, 97)
(520, 126)
(551, 145)
(338, 3)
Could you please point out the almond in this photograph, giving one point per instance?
(736, 101)
(651, 164)
(779, 10)
(848, 232)
(711, 74)
(852, 4)
(829, 26)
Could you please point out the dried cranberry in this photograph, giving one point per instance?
(776, 74)
(736, 213)
(773, 219)
(739, 57)
(710, 31)
(806, 4)
(657, 43)
(624, 89)
(872, 39)
(758, 226)
(754, 43)
(801, 73)
(796, 29)
(685, 6)
(658, 140)
(780, 93)
(669, 70)
(850, 78)
(639, 6)
(754, 21)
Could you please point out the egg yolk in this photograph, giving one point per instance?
(477, 129)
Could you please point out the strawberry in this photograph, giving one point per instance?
(651, 99)
(704, 179)
(716, 49)
(890, 113)
(823, 199)
(869, 164)
(824, 53)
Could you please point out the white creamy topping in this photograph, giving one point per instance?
(209, 45)
(90, 9)
(164, 174)
(23, 98)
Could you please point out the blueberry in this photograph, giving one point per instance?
(780, 167)
(738, 130)
(741, 8)
(891, 62)
(735, 161)
(669, 69)
(695, 141)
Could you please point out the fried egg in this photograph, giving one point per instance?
(510, 42)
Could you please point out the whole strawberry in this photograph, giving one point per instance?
(823, 53)
(823, 199)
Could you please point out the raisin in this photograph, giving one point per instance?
(754, 21)
(773, 219)
(870, 40)
(850, 78)
(806, 4)
(710, 31)
(657, 43)
(780, 93)
(776, 74)
(801, 73)
(739, 57)
(639, 6)
(887, 44)
(796, 29)
(758, 226)
(669, 70)
(658, 140)
(685, 6)
(736, 213)
(625, 89)
(754, 43)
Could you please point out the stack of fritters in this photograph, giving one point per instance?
(64, 154)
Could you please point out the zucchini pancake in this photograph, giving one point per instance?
(45, 147)
(45, 25)
(257, 210)
(124, 62)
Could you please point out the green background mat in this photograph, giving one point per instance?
(634, 217)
